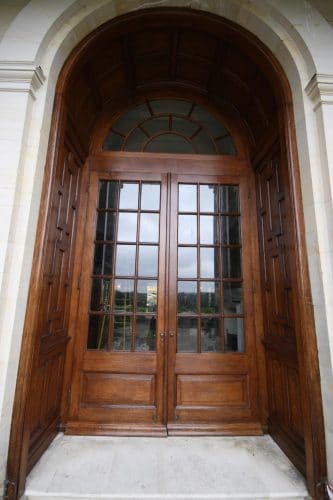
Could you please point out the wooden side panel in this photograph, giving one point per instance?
(280, 307)
(53, 306)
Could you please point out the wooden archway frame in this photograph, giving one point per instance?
(19, 459)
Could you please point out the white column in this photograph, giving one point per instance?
(320, 91)
(18, 85)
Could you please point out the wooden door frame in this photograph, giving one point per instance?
(131, 165)
(17, 465)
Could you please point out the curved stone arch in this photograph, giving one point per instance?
(62, 25)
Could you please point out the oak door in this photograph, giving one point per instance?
(165, 324)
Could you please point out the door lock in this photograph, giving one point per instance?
(162, 335)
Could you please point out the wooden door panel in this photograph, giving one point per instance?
(212, 389)
(118, 378)
(123, 390)
(116, 389)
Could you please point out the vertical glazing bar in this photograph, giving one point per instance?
(112, 291)
(198, 273)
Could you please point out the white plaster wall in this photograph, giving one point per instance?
(43, 34)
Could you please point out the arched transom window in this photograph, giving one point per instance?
(169, 126)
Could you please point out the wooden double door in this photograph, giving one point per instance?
(165, 335)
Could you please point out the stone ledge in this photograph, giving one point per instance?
(20, 76)
(320, 89)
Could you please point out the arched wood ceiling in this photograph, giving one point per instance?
(163, 50)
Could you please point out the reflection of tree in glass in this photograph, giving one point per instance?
(187, 302)
(151, 334)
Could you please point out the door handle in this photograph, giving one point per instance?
(162, 335)
(171, 334)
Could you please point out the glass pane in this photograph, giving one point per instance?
(106, 226)
(156, 124)
(129, 193)
(209, 262)
(229, 199)
(113, 142)
(203, 143)
(108, 194)
(148, 261)
(129, 119)
(98, 332)
(232, 298)
(149, 227)
(125, 261)
(150, 196)
(127, 226)
(211, 124)
(226, 146)
(103, 192)
(145, 333)
(210, 297)
(187, 335)
(230, 230)
(147, 296)
(103, 259)
(184, 126)
(209, 198)
(123, 295)
(209, 232)
(187, 198)
(169, 143)
(233, 335)
(187, 262)
(187, 296)
(210, 335)
(135, 141)
(187, 229)
(100, 295)
(122, 333)
(232, 267)
(177, 106)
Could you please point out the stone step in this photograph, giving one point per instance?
(177, 468)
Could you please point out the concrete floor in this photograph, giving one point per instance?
(156, 468)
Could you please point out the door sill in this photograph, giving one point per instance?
(104, 429)
(217, 429)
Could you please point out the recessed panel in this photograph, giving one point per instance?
(212, 390)
(118, 389)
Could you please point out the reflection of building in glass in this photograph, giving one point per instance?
(151, 297)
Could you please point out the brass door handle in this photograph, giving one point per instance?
(162, 337)
(171, 334)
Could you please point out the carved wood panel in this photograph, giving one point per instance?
(47, 376)
(277, 249)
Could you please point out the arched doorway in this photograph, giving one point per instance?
(169, 344)
(178, 52)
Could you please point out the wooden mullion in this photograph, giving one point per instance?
(112, 294)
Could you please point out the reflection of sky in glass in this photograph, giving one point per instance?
(129, 193)
(208, 229)
(127, 227)
(148, 261)
(187, 230)
(150, 197)
(125, 262)
(187, 198)
(208, 266)
(149, 227)
(187, 262)
(208, 198)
